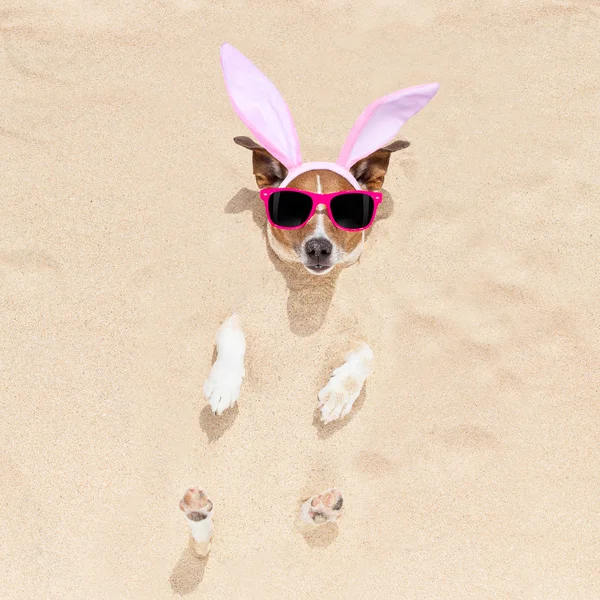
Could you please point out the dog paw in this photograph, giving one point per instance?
(222, 388)
(325, 507)
(338, 396)
(196, 505)
(199, 511)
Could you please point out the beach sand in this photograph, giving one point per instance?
(131, 228)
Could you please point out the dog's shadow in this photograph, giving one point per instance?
(310, 296)
(215, 426)
(188, 572)
(321, 537)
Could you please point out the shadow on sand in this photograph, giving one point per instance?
(188, 573)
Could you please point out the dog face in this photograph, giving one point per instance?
(319, 246)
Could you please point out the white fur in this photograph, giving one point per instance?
(222, 388)
(338, 396)
(320, 228)
(202, 530)
(305, 514)
(330, 515)
(201, 534)
(319, 232)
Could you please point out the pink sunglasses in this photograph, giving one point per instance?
(352, 210)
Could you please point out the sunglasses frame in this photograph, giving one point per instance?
(318, 199)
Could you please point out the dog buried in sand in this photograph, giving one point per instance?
(317, 214)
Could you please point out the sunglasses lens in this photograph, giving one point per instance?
(352, 211)
(289, 209)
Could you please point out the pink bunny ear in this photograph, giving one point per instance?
(381, 121)
(260, 106)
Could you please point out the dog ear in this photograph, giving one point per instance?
(269, 172)
(370, 171)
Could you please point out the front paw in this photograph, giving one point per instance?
(338, 396)
(222, 388)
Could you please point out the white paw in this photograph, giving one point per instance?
(325, 507)
(199, 512)
(222, 388)
(338, 396)
(196, 505)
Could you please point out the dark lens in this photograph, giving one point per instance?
(352, 211)
(289, 209)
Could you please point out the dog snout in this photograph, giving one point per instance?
(318, 248)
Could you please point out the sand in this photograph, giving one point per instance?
(130, 228)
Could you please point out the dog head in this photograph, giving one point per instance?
(319, 245)
(361, 164)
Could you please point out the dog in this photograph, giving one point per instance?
(317, 212)
(319, 245)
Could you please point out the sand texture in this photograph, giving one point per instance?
(130, 227)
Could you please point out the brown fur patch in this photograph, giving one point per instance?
(194, 499)
(196, 516)
(370, 171)
(268, 171)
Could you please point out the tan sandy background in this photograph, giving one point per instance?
(128, 233)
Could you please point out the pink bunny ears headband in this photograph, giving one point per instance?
(260, 106)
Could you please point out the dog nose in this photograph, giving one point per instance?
(318, 248)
